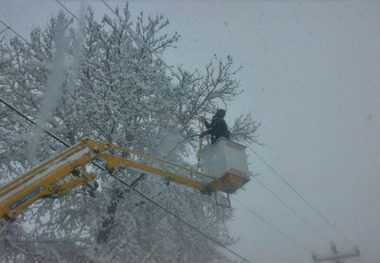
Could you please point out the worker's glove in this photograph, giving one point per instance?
(203, 134)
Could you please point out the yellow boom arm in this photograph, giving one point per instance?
(67, 170)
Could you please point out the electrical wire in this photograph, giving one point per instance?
(272, 226)
(15, 32)
(67, 10)
(33, 122)
(291, 209)
(179, 218)
(26, 41)
(300, 196)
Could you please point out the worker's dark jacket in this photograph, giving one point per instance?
(218, 127)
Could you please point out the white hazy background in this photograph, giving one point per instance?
(311, 75)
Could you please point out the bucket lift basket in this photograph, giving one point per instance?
(226, 160)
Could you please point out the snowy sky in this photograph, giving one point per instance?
(311, 75)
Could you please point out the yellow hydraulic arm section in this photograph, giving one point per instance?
(67, 170)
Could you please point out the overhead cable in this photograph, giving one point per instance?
(33, 122)
(15, 32)
(291, 209)
(67, 10)
(272, 226)
(300, 196)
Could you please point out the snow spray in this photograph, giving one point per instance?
(56, 79)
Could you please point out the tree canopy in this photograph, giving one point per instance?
(105, 80)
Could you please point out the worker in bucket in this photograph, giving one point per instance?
(218, 127)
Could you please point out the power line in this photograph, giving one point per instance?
(300, 196)
(133, 189)
(272, 226)
(179, 218)
(26, 41)
(33, 122)
(291, 209)
(67, 10)
(15, 32)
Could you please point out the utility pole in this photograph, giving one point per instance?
(336, 257)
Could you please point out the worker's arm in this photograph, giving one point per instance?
(208, 125)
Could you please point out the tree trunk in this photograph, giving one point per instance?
(108, 223)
